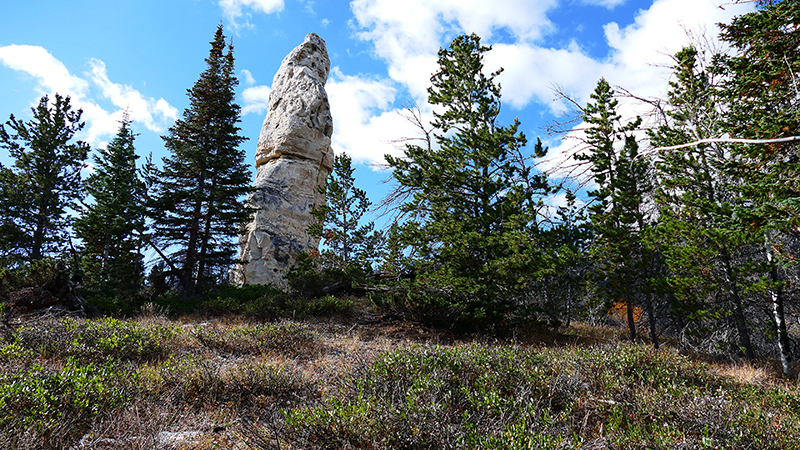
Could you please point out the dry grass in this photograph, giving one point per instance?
(744, 373)
(231, 382)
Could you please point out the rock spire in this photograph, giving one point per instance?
(293, 159)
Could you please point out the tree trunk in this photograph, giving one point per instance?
(631, 321)
(39, 229)
(776, 298)
(569, 304)
(738, 309)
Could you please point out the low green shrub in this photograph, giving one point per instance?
(96, 340)
(29, 275)
(37, 400)
(609, 396)
(463, 397)
(265, 302)
(406, 300)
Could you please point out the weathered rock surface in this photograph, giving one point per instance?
(293, 158)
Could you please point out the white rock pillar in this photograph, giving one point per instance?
(293, 159)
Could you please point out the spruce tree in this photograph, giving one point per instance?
(12, 194)
(764, 103)
(565, 282)
(196, 203)
(616, 208)
(350, 245)
(111, 226)
(471, 215)
(44, 183)
(699, 235)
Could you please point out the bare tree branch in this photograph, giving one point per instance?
(725, 141)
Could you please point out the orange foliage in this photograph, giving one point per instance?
(619, 311)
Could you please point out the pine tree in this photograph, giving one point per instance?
(196, 202)
(764, 103)
(12, 203)
(616, 209)
(351, 246)
(110, 228)
(701, 241)
(471, 215)
(570, 235)
(44, 182)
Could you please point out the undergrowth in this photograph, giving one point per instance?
(151, 382)
(512, 397)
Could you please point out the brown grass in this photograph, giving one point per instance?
(225, 382)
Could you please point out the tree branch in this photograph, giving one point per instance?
(726, 141)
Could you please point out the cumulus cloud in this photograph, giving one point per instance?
(233, 10)
(364, 123)
(248, 77)
(54, 77)
(408, 34)
(531, 72)
(256, 99)
(156, 115)
(51, 73)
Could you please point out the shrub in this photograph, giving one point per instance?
(463, 397)
(37, 401)
(506, 397)
(96, 340)
(267, 302)
(35, 274)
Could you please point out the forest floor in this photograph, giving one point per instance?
(357, 381)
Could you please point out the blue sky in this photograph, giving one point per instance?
(142, 55)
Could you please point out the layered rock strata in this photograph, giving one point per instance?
(293, 159)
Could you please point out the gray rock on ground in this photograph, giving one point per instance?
(293, 159)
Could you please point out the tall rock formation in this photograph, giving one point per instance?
(293, 159)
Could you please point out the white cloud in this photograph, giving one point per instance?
(248, 77)
(156, 115)
(364, 124)
(51, 73)
(531, 72)
(54, 77)
(408, 34)
(610, 4)
(309, 7)
(233, 9)
(256, 99)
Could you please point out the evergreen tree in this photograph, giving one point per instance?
(45, 181)
(110, 227)
(471, 214)
(351, 246)
(565, 284)
(196, 203)
(701, 241)
(616, 210)
(12, 194)
(764, 103)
